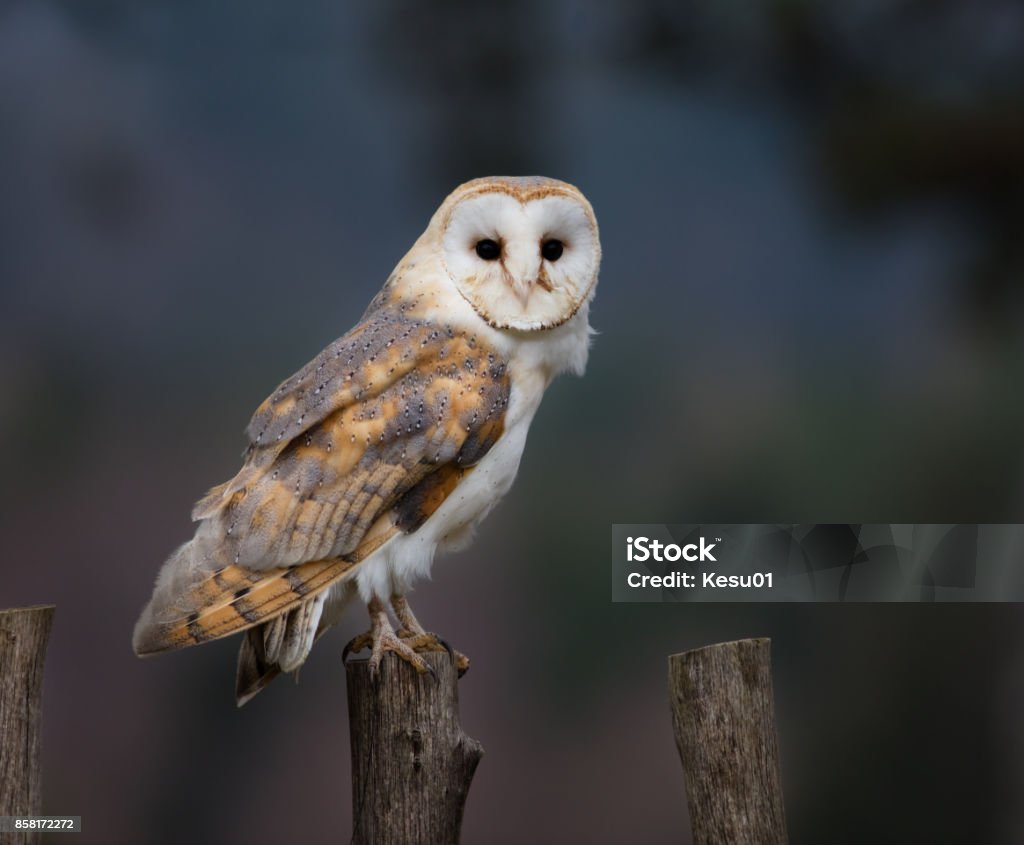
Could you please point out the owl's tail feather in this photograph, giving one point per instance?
(284, 643)
(280, 645)
(255, 672)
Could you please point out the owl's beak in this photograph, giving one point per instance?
(522, 288)
(522, 272)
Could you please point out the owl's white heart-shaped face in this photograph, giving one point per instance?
(523, 252)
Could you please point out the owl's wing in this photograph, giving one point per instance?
(367, 440)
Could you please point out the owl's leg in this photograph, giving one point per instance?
(381, 638)
(420, 639)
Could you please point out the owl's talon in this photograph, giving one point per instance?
(390, 643)
(380, 639)
(421, 640)
(458, 658)
(357, 644)
(408, 643)
(425, 641)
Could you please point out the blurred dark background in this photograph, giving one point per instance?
(809, 311)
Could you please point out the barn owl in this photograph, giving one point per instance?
(394, 442)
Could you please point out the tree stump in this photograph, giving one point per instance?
(24, 633)
(724, 721)
(412, 765)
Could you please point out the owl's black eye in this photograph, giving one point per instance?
(552, 249)
(487, 249)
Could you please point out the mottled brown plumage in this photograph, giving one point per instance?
(374, 433)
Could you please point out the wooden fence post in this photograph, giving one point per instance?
(23, 636)
(411, 763)
(724, 721)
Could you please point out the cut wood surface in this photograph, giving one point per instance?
(24, 633)
(411, 762)
(724, 721)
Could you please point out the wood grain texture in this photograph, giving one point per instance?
(412, 765)
(724, 720)
(24, 633)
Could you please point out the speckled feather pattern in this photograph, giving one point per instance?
(366, 432)
(361, 425)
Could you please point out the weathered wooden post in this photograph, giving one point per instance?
(724, 721)
(23, 636)
(411, 763)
